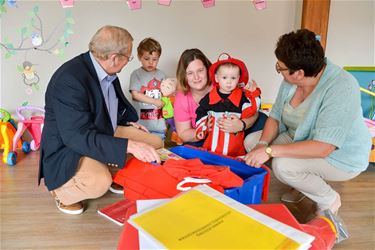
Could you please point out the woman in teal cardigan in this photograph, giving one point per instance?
(315, 132)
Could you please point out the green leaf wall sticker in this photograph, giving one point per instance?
(34, 37)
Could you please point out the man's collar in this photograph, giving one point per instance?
(100, 71)
(234, 97)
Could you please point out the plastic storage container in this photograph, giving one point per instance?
(256, 180)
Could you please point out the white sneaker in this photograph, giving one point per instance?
(116, 188)
(75, 208)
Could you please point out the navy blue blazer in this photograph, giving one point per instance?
(77, 122)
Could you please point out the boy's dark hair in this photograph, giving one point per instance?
(149, 45)
(301, 50)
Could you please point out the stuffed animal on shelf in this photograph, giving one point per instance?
(168, 90)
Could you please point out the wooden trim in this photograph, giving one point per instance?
(315, 15)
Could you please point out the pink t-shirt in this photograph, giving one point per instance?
(184, 108)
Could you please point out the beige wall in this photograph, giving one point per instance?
(350, 40)
(231, 26)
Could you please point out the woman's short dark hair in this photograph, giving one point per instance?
(186, 58)
(301, 50)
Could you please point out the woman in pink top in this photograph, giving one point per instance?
(194, 84)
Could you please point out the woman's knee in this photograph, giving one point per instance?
(283, 169)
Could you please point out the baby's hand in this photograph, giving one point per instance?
(251, 86)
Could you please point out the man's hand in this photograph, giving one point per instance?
(143, 151)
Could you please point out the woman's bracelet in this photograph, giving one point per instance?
(262, 143)
(243, 125)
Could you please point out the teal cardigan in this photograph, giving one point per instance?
(334, 116)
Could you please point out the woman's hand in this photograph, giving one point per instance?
(230, 124)
(257, 156)
(138, 126)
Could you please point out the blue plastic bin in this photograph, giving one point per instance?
(254, 178)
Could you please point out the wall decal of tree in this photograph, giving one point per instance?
(34, 37)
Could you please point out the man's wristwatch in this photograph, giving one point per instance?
(269, 151)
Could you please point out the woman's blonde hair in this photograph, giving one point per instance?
(186, 58)
(108, 40)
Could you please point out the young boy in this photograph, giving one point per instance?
(228, 101)
(145, 87)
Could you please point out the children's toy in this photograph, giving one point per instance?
(34, 125)
(371, 127)
(7, 131)
(366, 79)
(168, 89)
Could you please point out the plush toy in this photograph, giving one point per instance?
(168, 91)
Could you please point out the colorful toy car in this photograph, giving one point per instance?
(34, 124)
(7, 131)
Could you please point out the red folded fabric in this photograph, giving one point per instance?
(219, 175)
(143, 180)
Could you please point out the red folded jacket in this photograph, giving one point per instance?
(219, 175)
(143, 180)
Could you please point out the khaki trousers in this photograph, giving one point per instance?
(309, 176)
(93, 178)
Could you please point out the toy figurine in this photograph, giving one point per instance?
(168, 90)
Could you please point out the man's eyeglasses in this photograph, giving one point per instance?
(130, 58)
(279, 69)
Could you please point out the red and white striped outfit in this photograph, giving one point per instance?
(216, 105)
